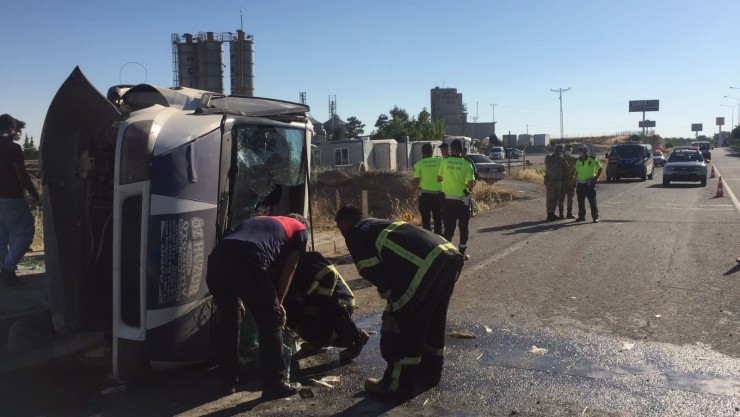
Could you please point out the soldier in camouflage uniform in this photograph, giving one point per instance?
(569, 184)
(555, 167)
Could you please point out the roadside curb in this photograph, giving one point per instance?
(330, 246)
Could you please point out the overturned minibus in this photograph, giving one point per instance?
(137, 188)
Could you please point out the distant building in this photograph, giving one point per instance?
(448, 106)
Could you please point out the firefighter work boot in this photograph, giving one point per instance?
(570, 216)
(376, 386)
(551, 217)
(580, 219)
(280, 390)
(560, 216)
(354, 350)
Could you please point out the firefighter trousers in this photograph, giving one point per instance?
(413, 342)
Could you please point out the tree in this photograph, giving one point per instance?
(29, 148)
(399, 125)
(355, 128)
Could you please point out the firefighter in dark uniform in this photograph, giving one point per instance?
(240, 270)
(319, 307)
(415, 270)
(429, 189)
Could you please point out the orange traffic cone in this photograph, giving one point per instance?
(720, 189)
(712, 176)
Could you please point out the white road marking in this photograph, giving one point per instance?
(728, 190)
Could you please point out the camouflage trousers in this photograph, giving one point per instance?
(554, 189)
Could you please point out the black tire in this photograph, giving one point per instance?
(666, 182)
(704, 182)
(652, 172)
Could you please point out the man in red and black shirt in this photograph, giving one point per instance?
(17, 225)
(241, 268)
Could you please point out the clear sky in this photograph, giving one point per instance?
(373, 55)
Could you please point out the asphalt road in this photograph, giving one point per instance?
(637, 315)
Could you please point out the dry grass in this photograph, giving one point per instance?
(488, 196)
(38, 237)
(536, 175)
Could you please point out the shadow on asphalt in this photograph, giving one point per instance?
(533, 227)
(372, 405)
(674, 185)
(237, 409)
(732, 270)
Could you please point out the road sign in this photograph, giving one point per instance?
(647, 123)
(720, 121)
(644, 105)
(696, 127)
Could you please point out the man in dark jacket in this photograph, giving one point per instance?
(415, 270)
(240, 269)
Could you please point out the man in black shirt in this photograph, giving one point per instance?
(17, 225)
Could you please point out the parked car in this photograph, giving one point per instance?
(704, 148)
(630, 160)
(685, 165)
(513, 153)
(486, 169)
(658, 158)
(496, 152)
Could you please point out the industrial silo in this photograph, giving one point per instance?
(210, 63)
(187, 62)
(242, 65)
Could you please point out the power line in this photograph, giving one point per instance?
(560, 92)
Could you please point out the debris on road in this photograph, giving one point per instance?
(306, 392)
(113, 390)
(626, 346)
(537, 351)
(463, 335)
(488, 329)
(331, 378)
(320, 383)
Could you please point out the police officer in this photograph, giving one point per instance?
(457, 178)
(429, 189)
(569, 184)
(588, 170)
(240, 269)
(444, 149)
(415, 270)
(555, 166)
(319, 307)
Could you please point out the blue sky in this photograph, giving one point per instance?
(373, 55)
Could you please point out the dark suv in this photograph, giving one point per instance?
(630, 160)
(704, 148)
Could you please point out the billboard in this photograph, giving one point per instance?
(646, 123)
(720, 121)
(696, 127)
(644, 105)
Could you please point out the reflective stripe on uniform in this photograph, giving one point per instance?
(414, 285)
(367, 263)
(434, 351)
(398, 367)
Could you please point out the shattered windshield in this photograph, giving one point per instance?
(269, 158)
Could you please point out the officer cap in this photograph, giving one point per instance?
(444, 145)
(426, 148)
(558, 147)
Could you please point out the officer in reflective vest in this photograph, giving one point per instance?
(415, 270)
(429, 189)
(588, 170)
(457, 178)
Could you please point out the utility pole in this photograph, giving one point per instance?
(560, 92)
(493, 116)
